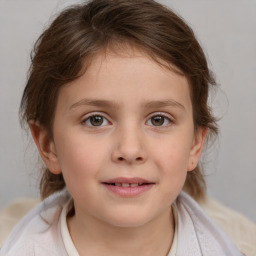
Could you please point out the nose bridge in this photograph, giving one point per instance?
(130, 144)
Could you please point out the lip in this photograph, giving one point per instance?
(129, 191)
(128, 180)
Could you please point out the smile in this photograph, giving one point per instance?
(128, 187)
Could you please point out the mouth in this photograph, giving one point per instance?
(128, 187)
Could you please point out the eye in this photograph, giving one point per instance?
(159, 120)
(95, 120)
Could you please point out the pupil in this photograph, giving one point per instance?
(96, 120)
(158, 120)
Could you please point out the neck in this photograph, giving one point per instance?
(95, 237)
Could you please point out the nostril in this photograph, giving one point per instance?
(137, 159)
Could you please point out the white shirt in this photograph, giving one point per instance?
(67, 240)
(40, 233)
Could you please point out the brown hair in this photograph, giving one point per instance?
(81, 31)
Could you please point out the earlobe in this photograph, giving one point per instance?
(197, 148)
(45, 146)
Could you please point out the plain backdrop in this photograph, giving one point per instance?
(227, 32)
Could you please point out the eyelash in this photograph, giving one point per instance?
(165, 116)
(160, 114)
(87, 118)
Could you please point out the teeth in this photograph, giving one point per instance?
(126, 185)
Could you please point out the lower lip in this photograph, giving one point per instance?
(128, 191)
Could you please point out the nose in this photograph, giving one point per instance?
(129, 147)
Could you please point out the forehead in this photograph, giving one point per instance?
(127, 49)
(110, 58)
(131, 73)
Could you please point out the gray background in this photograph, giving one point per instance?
(227, 32)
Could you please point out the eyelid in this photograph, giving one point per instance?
(91, 114)
(164, 114)
(161, 114)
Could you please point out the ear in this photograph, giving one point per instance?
(45, 146)
(197, 148)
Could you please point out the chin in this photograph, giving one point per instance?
(128, 220)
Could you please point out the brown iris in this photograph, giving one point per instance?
(157, 120)
(96, 120)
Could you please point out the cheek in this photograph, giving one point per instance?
(81, 162)
(80, 157)
(171, 156)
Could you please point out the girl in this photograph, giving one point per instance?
(116, 101)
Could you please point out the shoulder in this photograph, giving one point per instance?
(38, 230)
(239, 228)
(200, 232)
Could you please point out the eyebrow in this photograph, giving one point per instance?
(95, 103)
(114, 104)
(164, 103)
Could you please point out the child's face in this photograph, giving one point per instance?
(142, 131)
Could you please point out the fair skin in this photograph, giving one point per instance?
(142, 129)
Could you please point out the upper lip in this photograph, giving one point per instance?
(134, 180)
